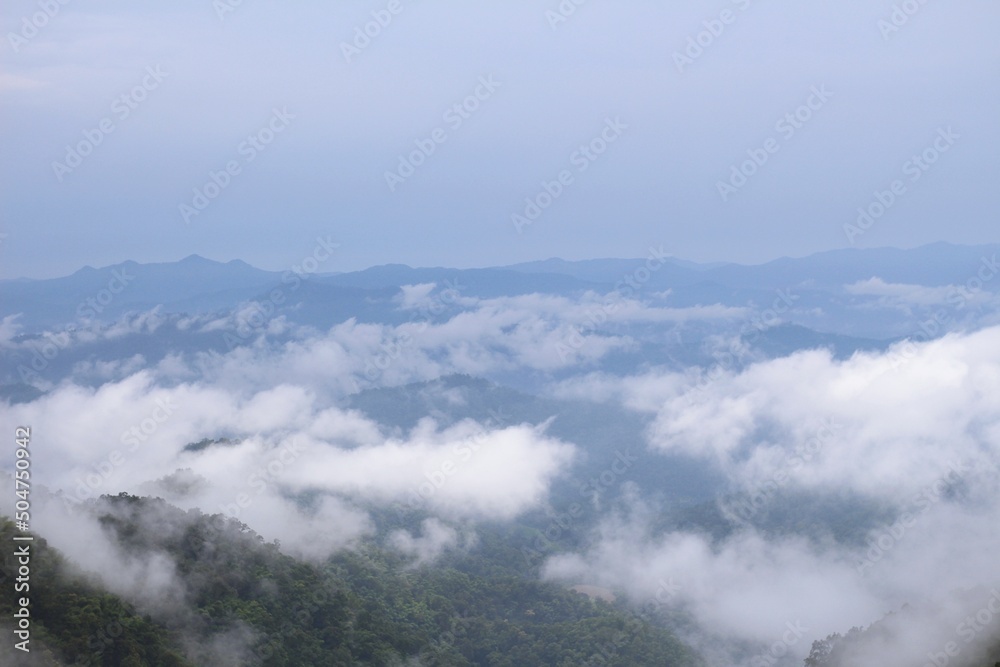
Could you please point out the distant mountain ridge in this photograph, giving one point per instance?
(108, 292)
(900, 263)
(929, 265)
(199, 285)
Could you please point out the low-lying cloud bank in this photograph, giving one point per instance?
(916, 429)
(427, 335)
(274, 448)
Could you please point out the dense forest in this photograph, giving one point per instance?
(243, 601)
(247, 603)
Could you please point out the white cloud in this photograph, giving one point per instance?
(917, 295)
(435, 538)
(748, 587)
(901, 418)
(916, 428)
(126, 434)
(462, 471)
(415, 296)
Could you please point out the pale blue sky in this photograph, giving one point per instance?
(324, 171)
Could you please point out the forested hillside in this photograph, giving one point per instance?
(967, 643)
(246, 603)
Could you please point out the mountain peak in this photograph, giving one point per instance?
(196, 259)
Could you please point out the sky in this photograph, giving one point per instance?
(249, 129)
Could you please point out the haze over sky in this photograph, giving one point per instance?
(208, 78)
